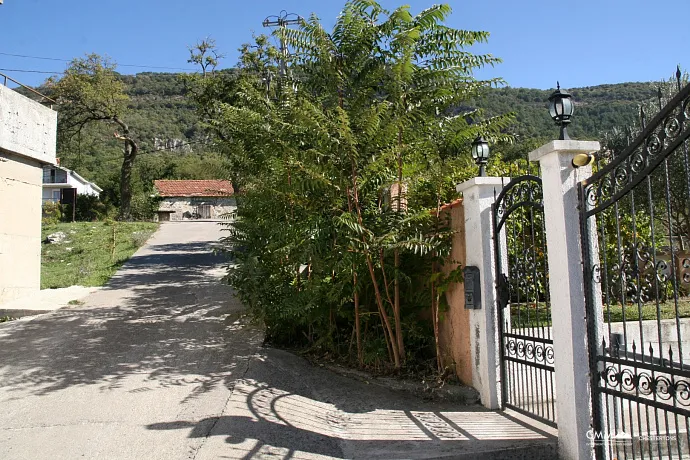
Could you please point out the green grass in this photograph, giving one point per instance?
(88, 257)
(632, 313)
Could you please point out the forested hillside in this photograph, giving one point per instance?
(597, 108)
(160, 110)
(173, 143)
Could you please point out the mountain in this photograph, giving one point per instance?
(163, 118)
(173, 143)
(598, 109)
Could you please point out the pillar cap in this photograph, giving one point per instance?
(494, 181)
(569, 147)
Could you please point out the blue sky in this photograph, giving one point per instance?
(581, 43)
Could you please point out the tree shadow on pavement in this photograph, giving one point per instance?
(286, 407)
(165, 320)
(165, 314)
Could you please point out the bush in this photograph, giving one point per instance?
(144, 206)
(52, 212)
(90, 208)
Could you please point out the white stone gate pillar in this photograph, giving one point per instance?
(478, 196)
(566, 281)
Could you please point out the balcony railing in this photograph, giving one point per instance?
(45, 100)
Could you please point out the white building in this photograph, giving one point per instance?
(59, 181)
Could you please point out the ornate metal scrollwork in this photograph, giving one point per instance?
(661, 386)
(645, 152)
(595, 272)
(530, 350)
(685, 271)
(641, 274)
(528, 190)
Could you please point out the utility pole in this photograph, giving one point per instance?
(281, 21)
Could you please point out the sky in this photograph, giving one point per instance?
(583, 43)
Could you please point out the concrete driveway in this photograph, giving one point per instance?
(160, 365)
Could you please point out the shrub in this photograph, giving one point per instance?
(144, 206)
(52, 212)
(90, 208)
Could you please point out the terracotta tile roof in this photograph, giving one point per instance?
(452, 204)
(193, 187)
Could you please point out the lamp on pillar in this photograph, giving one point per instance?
(561, 109)
(480, 154)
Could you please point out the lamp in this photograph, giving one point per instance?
(480, 154)
(561, 110)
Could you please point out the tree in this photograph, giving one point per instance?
(205, 54)
(89, 92)
(368, 107)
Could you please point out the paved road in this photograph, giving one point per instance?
(160, 365)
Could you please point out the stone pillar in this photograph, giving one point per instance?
(566, 281)
(478, 195)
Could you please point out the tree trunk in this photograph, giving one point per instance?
(396, 307)
(391, 341)
(360, 355)
(396, 255)
(131, 150)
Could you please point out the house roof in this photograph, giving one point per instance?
(184, 188)
(73, 174)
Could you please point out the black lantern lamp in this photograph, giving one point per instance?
(480, 154)
(561, 109)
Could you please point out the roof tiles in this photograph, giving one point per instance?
(185, 188)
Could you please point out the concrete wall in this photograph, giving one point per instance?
(180, 205)
(20, 226)
(650, 333)
(454, 328)
(28, 133)
(27, 128)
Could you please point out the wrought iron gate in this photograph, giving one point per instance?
(524, 310)
(635, 217)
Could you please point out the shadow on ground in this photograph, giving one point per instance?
(165, 314)
(286, 408)
(165, 320)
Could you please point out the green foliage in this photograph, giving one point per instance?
(52, 213)
(163, 118)
(597, 109)
(88, 94)
(144, 206)
(344, 161)
(90, 208)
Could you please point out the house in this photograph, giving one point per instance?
(28, 132)
(61, 185)
(194, 199)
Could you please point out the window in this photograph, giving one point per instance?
(56, 196)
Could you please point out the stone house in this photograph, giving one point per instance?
(28, 133)
(194, 199)
(61, 185)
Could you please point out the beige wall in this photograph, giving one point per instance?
(454, 328)
(20, 226)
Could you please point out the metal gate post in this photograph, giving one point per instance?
(479, 194)
(562, 221)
